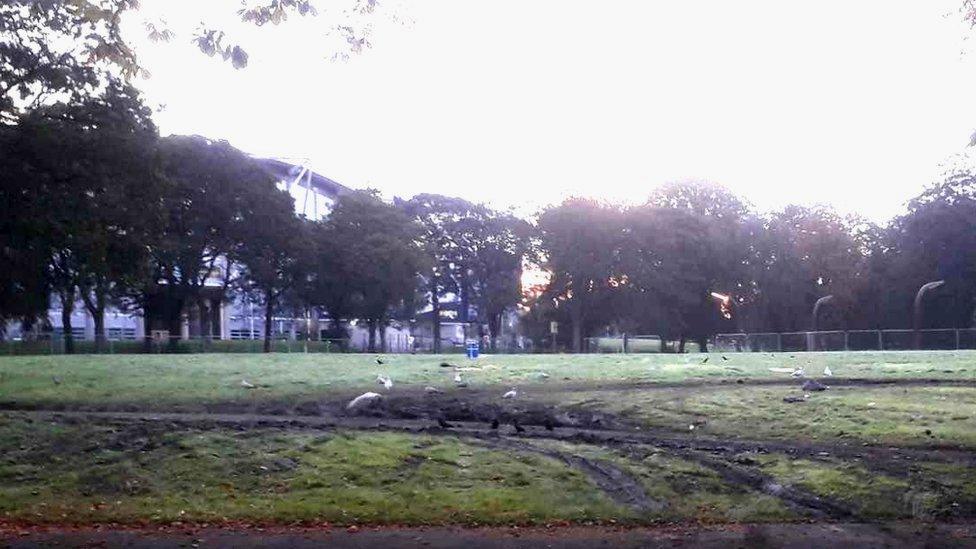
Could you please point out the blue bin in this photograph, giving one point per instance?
(472, 350)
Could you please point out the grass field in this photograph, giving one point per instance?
(607, 438)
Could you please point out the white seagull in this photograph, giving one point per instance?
(511, 394)
(246, 384)
(385, 381)
(363, 399)
(827, 372)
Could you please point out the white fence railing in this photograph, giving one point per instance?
(849, 340)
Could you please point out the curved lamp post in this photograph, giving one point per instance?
(812, 338)
(917, 309)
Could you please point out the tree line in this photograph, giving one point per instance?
(662, 267)
(97, 209)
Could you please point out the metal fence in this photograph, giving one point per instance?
(634, 344)
(54, 345)
(849, 340)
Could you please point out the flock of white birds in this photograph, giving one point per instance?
(387, 382)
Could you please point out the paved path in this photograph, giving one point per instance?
(767, 535)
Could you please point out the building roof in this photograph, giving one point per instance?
(287, 171)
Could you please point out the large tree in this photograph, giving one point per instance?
(804, 254)
(714, 252)
(440, 218)
(378, 247)
(275, 253)
(581, 241)
(213, 193)
(936, 240)
(498, 245)
(83, 174)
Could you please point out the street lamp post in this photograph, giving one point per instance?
(917, 309)
(812, 336)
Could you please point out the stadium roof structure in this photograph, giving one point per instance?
(300, 173)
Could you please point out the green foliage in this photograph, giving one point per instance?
(58, 51)
(373, 254)
(477, 253)
(581, 240)
(78, 179)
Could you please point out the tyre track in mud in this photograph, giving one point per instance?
(796, 499)
(716, 454)
(618, 484)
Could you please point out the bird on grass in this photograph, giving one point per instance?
(705, 360)
(827, 372)
(378, 360)
(724, 357)
(458, 382)
(447, 365)
(511, 394)
(798, 372)
(362, 399)
(246, 384)
(385, 381)
(56, 380)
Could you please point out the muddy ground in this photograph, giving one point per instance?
(525, 425)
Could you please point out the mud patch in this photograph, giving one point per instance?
(613, 481)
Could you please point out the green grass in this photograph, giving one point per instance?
(870, 495)
(138, 471)
(77, 473)
(161, 380)
(912, 416)
(688, 490)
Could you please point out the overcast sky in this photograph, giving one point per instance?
(521, 103)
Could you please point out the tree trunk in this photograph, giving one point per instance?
(96, 308)
(703, 344)
(577, 328)
(146, 326)
(681, 344)
(435, 314)
(174, 320)
(67, 306)
(206, 321)
(268, 320)
(494, 323)
(314, 332)
(371, 326)
(382, 330)
(98, 317)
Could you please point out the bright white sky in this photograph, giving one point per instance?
(515, 103)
